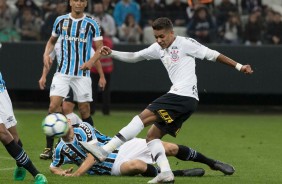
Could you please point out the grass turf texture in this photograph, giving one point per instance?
(251, 143)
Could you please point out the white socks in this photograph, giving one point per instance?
(157, 149)
(126, 133)
(73, 118)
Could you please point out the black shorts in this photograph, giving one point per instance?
(173, 110)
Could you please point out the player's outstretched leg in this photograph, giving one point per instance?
(188, 154)
(195, 172)
(223, 167)
(98, 152)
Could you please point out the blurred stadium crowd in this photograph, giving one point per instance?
(249, 22)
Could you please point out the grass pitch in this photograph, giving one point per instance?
(251, 143)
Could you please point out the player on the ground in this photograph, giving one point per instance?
(167, 113)
(77, 31)
(132, 158)
(10, 139)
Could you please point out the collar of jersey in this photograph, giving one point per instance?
(74, 19)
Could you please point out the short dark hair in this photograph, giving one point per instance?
(162, 23)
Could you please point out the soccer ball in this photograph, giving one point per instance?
(55, 125)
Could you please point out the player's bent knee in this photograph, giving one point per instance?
(170, 149)
(5, 136)
(54, 108)
(84, 109)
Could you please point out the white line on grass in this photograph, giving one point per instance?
(7, 169)
(6, 158)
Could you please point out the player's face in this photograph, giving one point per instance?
(164, 37)
(78, 6)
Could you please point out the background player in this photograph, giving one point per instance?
(68, 103)
(77, 31)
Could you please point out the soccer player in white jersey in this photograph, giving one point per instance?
(168, 112)
(77, 31)
(132, 158)
(10, 139)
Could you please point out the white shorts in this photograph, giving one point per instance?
(81, 87)
(132, 150)
(6, 110)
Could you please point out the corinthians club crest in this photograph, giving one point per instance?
(174, 55)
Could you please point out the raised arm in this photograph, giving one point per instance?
(228, 61)
(213, 55)
(129, 57)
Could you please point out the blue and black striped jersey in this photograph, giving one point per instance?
(72, 153)
(2, 84)
(76, 43)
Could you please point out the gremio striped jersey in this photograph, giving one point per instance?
(76, 42)
(72, 153)
(2, 84)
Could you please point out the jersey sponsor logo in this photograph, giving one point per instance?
(76, 39)
(86, 130)
(165, 116)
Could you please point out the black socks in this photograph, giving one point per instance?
(89, 120)
(49, 142)
(185, 153)
(21, 157)
(151, 171)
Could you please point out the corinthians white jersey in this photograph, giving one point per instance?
(179, 61)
